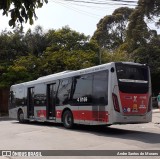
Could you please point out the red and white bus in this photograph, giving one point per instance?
(112, 93)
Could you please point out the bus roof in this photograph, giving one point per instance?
(69, 73)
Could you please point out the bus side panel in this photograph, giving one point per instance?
(112, 82)
(13, 113)
(91, 103)
(84, 115)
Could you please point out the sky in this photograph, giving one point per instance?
(82, 17)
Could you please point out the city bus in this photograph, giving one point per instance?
(112, 93)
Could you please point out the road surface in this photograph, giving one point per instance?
(49, 136)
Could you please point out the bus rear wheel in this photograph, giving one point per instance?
(68, 119)
(20, 116)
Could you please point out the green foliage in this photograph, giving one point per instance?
(116, 56)
(16, 74)
(138, 33)
(21, 11)
(68, 50)
(65, 60)
(111, 34)
(66, 39)
(125, 36)
(122, 36)
(36, 41)
(31, 64)
(11, 46)
(111, 30)
(150, 8)
(142, 43)
(25, 57)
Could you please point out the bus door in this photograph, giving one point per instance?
(51, 100)
(30, 102)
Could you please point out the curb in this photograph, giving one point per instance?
(4, 118)
(156, 111)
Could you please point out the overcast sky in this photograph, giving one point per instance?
(81, 17)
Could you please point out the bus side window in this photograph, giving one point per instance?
(64, 90)
(19, 98)
(82, 90)
(11, 99)
(39, 95)
(100, 88)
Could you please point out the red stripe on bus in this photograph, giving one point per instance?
(87, 115)
(81, 115)
(41, 113)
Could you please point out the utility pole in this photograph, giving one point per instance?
(100, 56)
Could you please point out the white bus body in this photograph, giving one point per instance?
(113, 93)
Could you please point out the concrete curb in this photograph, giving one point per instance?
(156, 111)
(5, 118)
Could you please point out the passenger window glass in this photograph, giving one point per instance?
(40, 95)
(82, 89)
(64, 91)
(11, 99)
(100, 88)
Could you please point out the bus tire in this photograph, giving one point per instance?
(20, 116)
(68, 119)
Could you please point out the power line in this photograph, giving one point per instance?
(89, 6)
(75, 5)
(92, 15)
(110, 2)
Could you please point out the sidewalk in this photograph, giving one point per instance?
(156, 110)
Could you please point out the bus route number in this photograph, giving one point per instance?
(82, 99)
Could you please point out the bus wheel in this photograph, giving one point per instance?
(21, 116)
(68, 119)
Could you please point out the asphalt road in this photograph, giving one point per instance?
(49, 136)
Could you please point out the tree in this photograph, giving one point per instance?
(36, 41)
(25, 57)
(23, 69)
(115, 56)
(67, 49)
(150, 8)
(21, 11)
(137, 25)
(142, 43)
(11, 46)
(14, 75)
(111, 30)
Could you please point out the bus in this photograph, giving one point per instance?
(112, 93)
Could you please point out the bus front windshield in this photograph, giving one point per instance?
(132, 78)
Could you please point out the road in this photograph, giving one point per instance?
(49, 136)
